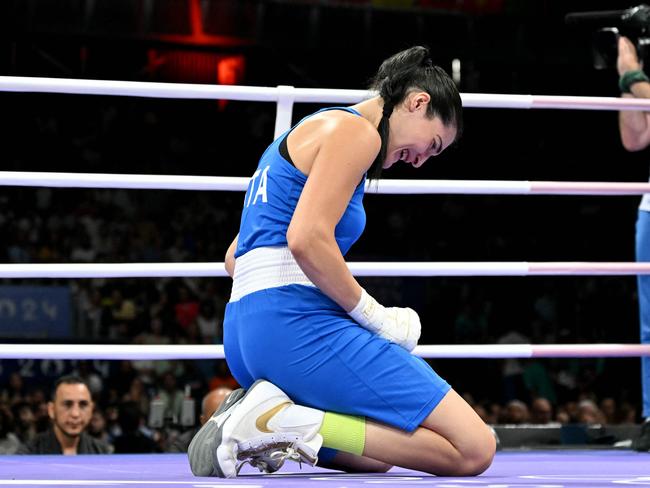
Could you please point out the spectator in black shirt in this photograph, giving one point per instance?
(69, 410)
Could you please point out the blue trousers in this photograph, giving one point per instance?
(643, 281)
(297, 338)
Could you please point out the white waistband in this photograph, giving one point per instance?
(266, 267)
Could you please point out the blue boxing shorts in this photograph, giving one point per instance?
(302, 341)
(643, 282)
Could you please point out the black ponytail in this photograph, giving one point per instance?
(402, 73)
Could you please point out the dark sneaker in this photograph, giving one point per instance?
(203, 448)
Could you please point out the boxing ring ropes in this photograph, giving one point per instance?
(545, 469)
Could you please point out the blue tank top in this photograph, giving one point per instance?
(273, 194)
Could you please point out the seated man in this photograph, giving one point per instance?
(70, 410)
(211, 401)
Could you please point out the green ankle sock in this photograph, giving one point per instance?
(345, 433)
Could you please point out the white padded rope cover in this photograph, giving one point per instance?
(155, 352)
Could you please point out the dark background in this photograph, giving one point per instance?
(508, 47)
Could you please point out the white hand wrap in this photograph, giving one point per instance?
(395, 324)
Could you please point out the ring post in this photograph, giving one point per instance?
(286, 97)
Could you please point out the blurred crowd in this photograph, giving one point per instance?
(136, 410)
(587, 410)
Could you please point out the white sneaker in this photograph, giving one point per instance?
(248, 434)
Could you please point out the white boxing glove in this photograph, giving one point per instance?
(395, 324)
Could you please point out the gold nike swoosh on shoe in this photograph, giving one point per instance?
(263, 420)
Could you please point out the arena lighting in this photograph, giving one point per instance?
(194, 66)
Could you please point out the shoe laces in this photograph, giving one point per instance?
(271, 460)
(280, 456)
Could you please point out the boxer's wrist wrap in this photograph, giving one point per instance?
(368, 312)
(395, 324)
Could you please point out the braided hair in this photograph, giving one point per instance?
(408, 70)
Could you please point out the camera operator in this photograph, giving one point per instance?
(634, 128)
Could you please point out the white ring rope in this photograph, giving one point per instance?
(312, 95)
(286, 96)
(160, 352)
(413, 269)
(395, 186)
(127, 182)
(178, 90)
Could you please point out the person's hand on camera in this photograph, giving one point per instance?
(627, 60)
(395, 324)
